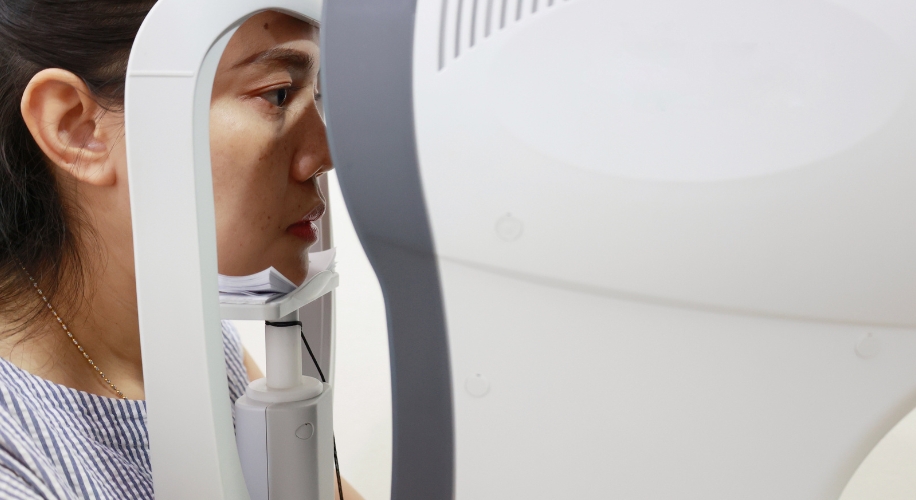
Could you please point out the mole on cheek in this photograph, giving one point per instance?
(267, 26)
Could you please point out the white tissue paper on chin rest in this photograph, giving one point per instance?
(270, 284)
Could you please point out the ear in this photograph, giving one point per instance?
(64, 119)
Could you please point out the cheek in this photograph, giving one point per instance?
(249, 178)
(239, 151)
(229, 145)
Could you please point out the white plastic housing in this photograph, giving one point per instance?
(675, 240)
(288, 450)
(169, 83)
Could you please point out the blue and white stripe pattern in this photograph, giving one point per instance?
(57, 442)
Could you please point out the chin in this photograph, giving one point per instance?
(294, 272)
(292, 262)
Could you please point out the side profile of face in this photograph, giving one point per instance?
(268, 146)
(267, 142)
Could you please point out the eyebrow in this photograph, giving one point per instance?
(279, 56)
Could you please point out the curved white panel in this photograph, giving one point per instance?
(731, 199)
(593, 397)
(730, 317)
(697, 91)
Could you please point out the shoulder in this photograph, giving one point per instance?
(26, 471)
(20, 481)
(232, 340)
(235, 360)
(57, 442)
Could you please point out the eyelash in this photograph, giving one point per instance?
(288, 92)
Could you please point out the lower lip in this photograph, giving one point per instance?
(305, 230)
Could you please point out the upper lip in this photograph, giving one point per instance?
(315, 214)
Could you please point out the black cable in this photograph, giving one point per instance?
(337, 469)
(284, 324)
(309, 348)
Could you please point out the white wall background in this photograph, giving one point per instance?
(362, 398)
(362, 403)
(889, 472)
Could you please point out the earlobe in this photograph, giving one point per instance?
(63, 118)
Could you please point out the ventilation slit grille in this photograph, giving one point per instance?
(473, 23)
(489, 24)
(466, 24)
(458, 28)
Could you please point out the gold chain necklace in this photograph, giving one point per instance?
(70, 335)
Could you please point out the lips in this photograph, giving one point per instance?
(316, 213)
(306, 229)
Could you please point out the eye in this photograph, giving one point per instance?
(277, 97)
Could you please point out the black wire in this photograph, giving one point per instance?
(283, 324)
(337, 469)
(309, 348)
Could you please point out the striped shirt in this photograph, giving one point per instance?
(58, 442)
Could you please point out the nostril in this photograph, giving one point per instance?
(308, 166)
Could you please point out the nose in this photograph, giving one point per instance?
(313, 157)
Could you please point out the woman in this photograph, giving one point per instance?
(72, 419)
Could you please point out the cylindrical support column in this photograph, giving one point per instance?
(284, 354)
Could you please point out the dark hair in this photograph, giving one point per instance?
(92, 39)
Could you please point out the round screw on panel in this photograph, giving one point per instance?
(868, 346)
(477, 386)
(305, 431)
(509, 228)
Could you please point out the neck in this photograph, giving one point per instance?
(105, 325)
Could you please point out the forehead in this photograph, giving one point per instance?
(268, 30)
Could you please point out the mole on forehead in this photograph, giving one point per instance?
(272, 20)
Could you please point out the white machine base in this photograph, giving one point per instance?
(297, 462)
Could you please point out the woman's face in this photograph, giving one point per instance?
(268, 147)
